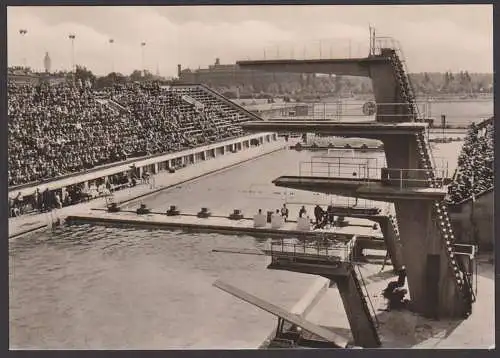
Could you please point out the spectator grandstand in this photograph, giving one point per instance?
(56, 130)
(474, 174)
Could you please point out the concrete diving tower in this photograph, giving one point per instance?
(438, 275)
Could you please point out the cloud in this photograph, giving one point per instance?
(195, 36)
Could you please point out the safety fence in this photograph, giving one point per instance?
(342, 110)
(325, 250)
(327, 48)
(363, 172)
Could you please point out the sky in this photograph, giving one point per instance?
(434, 38)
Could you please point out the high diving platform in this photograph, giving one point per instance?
(341, 66)
(438, 273)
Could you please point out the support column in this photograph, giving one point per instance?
(359, 317)
(398, 152)
(433, 271)
(392, 243)
(421, 246)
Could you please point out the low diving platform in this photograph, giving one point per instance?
(330, 257)
(335, 261)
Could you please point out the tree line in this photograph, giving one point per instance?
(425, 83)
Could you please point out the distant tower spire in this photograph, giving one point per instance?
(157, 69)
(47, 62)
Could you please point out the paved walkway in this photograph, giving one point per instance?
(360, 227)
(403, 329)
(29, 222)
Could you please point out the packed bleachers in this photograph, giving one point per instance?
(475, 163)
(51, 126)
(167, 113)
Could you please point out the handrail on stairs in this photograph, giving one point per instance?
(377, 323)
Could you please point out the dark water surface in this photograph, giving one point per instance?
(97, 287)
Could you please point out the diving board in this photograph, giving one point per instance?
(284, 314)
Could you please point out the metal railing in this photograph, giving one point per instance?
(428, 149)
(352, 110)
(362, 171)
(406, 178)
(339, 201)
(337, 170)
(338, 48)
(373, 162)
(366, 293)
(336, 111)
(326, 250)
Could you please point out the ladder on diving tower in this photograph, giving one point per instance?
(397, 59)
(442, 220)
(391, 48)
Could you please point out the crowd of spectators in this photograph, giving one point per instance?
(475, 163)
(60, 129)
(51, 127)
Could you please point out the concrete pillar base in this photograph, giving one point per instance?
(360, 320)
(392, 242)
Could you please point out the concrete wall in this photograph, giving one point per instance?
(398, 153)
(386, 90)
(480, 213)
(402, 153)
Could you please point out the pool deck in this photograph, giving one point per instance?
(404, 329)
(220, 224)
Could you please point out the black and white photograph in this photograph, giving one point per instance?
(250, 177)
